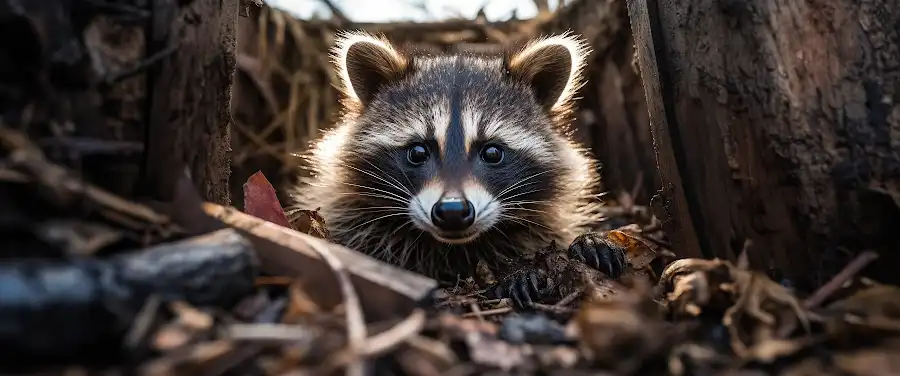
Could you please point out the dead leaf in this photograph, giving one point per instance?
(756, 309)
(309, 222)
(637, 252)
(261, 201)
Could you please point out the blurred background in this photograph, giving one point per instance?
(412, 10)
(283, 96)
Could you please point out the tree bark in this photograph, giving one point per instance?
(189, 114)
(775, 121)
(126, 92)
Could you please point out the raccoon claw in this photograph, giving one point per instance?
(599, 253)
(523, 289)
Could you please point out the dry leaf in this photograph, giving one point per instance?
(309, 222)
(637, 252)
(261, 201)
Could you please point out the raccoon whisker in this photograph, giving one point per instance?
(405, 189)
(518, 205)
(376, 219)
(378, 190)
(501, 232)
(515, 218)
(386, 249)
(415, 197)
(521, 194)
(465, 251)
(397, 254)
(406, 251)
(526, 202)
(392, 185)
(403, 171)
(371, 190)
(374, 208)
(500, 200)
(375, 195)
(527, 178)
(516, 184)
(507, 191)
(528, 210)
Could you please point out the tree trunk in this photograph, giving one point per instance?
(775, 121)
(126, 92)
(190, 111)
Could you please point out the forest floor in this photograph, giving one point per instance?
(95, 283)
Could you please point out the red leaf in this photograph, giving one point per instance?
(260, 200)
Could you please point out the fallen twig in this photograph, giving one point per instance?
(839, 279)
(356, 325)
(490, 312)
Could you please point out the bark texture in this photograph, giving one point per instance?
(776, 121)
(190, 111)
(125, 92)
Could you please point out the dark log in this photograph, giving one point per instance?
(60, 311)
(775, 121)
(123, 91)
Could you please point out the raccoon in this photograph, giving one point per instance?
(439, 161)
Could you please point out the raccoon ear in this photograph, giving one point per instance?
(552, 66)
(365, 63)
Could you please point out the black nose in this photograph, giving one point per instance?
(453, 214)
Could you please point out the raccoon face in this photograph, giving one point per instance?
(456, 145)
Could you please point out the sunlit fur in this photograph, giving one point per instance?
(375, 202)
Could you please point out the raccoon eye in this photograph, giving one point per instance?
(492, 154)
(417, 154)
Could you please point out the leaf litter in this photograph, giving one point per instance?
(163, 290)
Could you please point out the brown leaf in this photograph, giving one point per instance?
(309, 222)
(637, 252)
(261, 201)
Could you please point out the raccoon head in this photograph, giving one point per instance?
(457, 145)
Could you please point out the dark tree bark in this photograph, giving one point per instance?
(190, 111)
(125, 92)
(775, 121)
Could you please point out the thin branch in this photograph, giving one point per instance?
(337, 12)
(835, 283)
(356, 325)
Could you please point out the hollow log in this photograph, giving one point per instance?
(125, 92)
(775, 121)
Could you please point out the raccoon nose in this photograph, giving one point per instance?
(453, 214)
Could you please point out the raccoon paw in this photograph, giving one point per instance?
(523, 288)
(598, 252)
